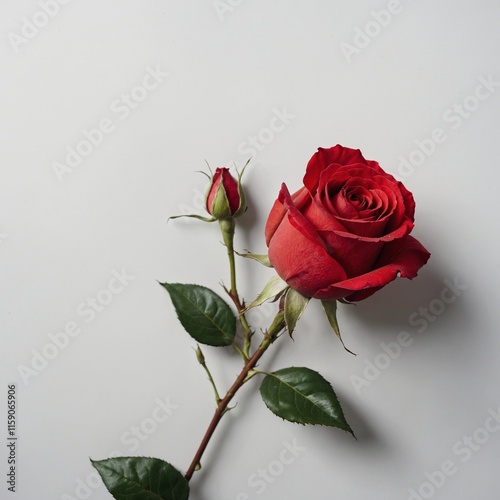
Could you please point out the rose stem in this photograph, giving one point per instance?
(227, 227)
(269, 337)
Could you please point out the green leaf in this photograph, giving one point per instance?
(330, 307)
(302, 395)
(203, 314)
(142, 478)
(274, 288)
(295, 305)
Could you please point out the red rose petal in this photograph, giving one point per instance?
(325, 157)
(216, 180)
(278, 211)
(231, 189)
(298, 254)
(403, 258)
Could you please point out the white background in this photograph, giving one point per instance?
(230, 70)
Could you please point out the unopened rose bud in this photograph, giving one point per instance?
(199, 355)
(225, 197)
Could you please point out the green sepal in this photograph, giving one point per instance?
(262, 258)
(295, 305)
(344, 301)
(142, 478)
(277, 325)
(330, 307)
(243, 202)
(203, 313)
(303, 396)
(220, 205)
(274, 288)
(199, 217)
(209, 177)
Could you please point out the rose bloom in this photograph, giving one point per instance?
(346, 233)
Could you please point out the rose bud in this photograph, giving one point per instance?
(225, 197)
(345, 233)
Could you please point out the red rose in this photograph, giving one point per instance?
(345, 234)
(225, 198)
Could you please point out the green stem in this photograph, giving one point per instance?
(238, 349)
(201, 360)
(246, 374)
(247, 334)
(227, 227)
